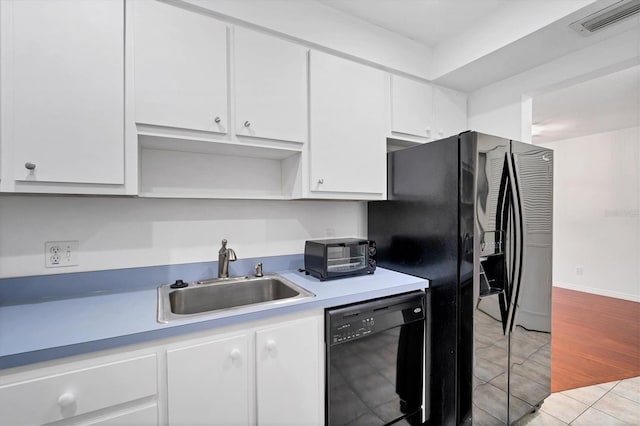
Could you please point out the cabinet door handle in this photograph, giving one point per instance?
(247, 124)
(217, 120)
(235, 354)
(271, 345)
(30, 166)
(320, 181)
(66, 400)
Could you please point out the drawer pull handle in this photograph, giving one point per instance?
(271, 345)
(66, 400)
(235, 354)
(217, 120)
(29, 166)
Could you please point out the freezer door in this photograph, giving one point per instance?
(416, 232)
(530, 321)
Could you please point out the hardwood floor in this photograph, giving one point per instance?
(595, 339)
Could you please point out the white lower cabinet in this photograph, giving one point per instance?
(268, 374)
(289, 388)
(208, 383)
(140, 416)
(104, 390)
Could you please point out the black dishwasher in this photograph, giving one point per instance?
(375, 361)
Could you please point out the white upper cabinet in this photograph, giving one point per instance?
(450, 112)
(348, 129)
(180, 68)
(270, 87)
(62, 92)
(411, 107)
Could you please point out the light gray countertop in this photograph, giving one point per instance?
(48, 330)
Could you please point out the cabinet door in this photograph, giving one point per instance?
(63, 90)
(270, 87)
(208, 383)
(180, 68)
(348, 114)
(411, 107)
(450, 112)
(288, 367)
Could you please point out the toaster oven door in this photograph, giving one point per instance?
(347, 259)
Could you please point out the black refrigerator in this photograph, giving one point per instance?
(473, 214)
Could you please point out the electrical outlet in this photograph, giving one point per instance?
(60, 253)
(579, 270)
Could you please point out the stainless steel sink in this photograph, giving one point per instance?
(206, 297)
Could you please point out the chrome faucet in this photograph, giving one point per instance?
(225, 255)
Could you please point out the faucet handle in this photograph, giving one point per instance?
(259, 269)
(231, 255)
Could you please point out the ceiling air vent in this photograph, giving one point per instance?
(607, 16)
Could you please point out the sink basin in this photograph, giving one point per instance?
(206, 297)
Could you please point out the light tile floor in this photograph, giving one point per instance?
(614, 403)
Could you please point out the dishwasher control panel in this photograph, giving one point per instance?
(359, 320)
(351, 330)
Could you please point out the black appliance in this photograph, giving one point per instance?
(473, 214)
(375, 361)
(339, 257)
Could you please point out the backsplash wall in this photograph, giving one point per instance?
(116, 232)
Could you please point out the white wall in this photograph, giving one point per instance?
(503, 108)
(597, 213)
(130, 232)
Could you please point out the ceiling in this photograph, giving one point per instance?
(595, 106)
(426, 21)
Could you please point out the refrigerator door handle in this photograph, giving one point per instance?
(519, 245)
(500, 238)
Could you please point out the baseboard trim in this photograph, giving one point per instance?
(599, 291)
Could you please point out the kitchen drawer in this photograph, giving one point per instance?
(72, 392)
(141, 416)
